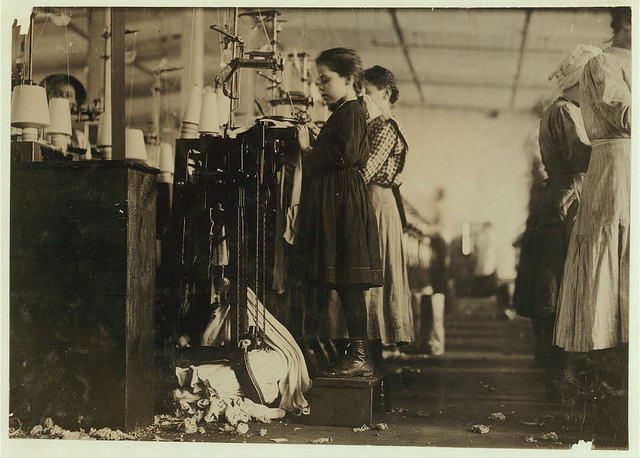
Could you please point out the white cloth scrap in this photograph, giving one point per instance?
(214, 389)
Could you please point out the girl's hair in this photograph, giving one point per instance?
(345, 62)
(619, 16)
(380, 77)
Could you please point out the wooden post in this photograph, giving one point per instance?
(118, 123)
(95, 60)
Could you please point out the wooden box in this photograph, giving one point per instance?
(26, 151)
(82, 293)
(348, 401)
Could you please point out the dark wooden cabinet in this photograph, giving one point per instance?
(82, 293)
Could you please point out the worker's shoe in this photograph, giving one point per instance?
(357, 363)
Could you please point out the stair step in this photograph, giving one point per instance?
(483, 318)
(508, 348)
(489, 334)
(463, 358)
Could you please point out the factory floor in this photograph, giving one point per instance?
(484, 392)
(488, 368)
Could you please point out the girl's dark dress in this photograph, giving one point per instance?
(338, 243)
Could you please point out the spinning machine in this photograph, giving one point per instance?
(226, 193)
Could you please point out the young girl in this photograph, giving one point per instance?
(338, 243)
(390, 314)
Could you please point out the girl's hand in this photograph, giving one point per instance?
(314, 129)
(303, 137)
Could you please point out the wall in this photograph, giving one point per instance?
(479, 161)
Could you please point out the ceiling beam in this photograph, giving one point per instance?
(493, 111)
(525, 31)
(143, 68)
(476, 84)
(396, 25)
(455, 47)
(78, 30)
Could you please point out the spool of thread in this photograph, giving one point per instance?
(224, 107)
(135, 149)
(104, 128)
(106, 152)
(191, 115)
(166, 163)
(189, 130)
(29, 110)
(153, 154)
(60, 128)
(104, 141)
(209, 124)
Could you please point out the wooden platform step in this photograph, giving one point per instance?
(348, 401)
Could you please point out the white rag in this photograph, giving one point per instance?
(292, 223)
(296, 382)
(570, 70)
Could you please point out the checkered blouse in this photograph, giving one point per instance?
(389, 149)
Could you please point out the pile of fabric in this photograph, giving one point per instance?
(214, 389)
(212, 392)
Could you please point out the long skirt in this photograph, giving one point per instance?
(338, 240)
(389, 312)
(540, 270)
(544, 246)
(593, 304)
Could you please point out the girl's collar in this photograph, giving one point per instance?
(339, 103)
